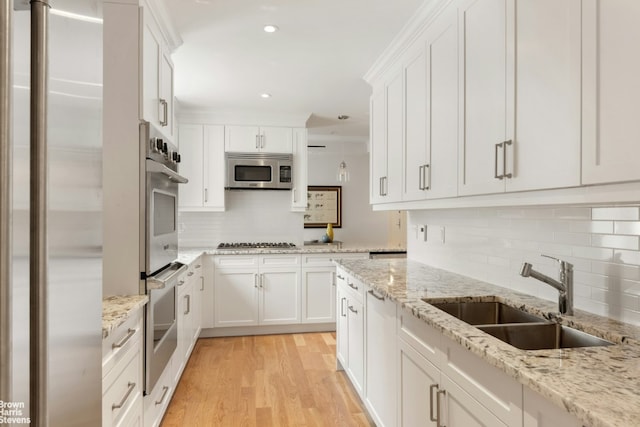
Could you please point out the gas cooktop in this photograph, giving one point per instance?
(260, 245)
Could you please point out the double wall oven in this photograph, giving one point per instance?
(160, 271)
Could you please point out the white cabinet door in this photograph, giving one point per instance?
(415, 377)
(355, 344)
(378, 144)
(342, 325)
(165, 113)
(539, 412)
(215, 167)
(380, 351)
(202, 163)
(318, 295)
(392, 185)
(546, 148)
(208, 293)
(192, 164)
(440, 174)
(197, 301)
(248, 139)
(483, 95)
(610, 91)
(279, 297)
(459, 409)
(236, 297)
(300, 170)
(151, 52)
(416, 152)
(276, 139)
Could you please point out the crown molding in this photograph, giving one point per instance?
(412, 30)
(160, 14)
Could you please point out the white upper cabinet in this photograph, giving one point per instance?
(483, 95)
(157, 77)
(378, 152)
(610, 91)
(202, 163)
(546, 146)
(268, 139)
(416, 152)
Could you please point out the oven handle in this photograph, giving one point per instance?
(153, 283)
(153, 166)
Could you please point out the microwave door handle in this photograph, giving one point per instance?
(157, 167)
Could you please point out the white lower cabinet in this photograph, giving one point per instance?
(350, 327)
(256, 290)
(539, 412)
(122, 374)
(380, 353)
(155, 403)
(415, 377)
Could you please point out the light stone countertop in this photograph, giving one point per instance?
(599, 385)
(117, 309)
(187, 255)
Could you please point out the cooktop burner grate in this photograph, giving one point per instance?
(259, 245)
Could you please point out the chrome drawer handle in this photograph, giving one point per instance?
(124, 399)
(190, 273)
(352, 286)
(198, 266)
(498, 146)
(124, 340)
(375, 295)
(164, 395)
(431, 417)
(353, 310)
(438, 394)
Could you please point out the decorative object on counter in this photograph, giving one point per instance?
(329, 233)
(324, 206)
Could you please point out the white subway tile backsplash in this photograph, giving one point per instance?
(615, 241)
(603, 244)
(627, 227)
(616, 213)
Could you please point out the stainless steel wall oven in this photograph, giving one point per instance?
(160, 271)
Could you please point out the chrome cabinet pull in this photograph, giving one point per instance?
(376, 296)
(339, 277)
(164, 395)
(342, 313)
(198, 266)
(352, 286)
(202, 283)
(165, 112)
(262, 144)
(180, 282)
(353, 310)
(438, 394)
(257, 141)
(385, 185)
(190, 273)
(188, 298)
(206, 195)
(380, 186)
(261, 281)
(504, 159)
(431, 388)
(420, 177)
(124, 340)
(426, 172)
(255, 281)
(131, 387)
(333, 279)
(498, 146)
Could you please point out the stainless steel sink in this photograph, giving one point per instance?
(540, 336)
(485, 313)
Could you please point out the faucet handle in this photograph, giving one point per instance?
(563, 264)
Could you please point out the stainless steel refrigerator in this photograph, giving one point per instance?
(50, 212)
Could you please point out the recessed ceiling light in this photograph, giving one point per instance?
(270, 28)
(266, 95)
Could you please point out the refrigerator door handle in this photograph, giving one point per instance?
(5, 200)
(38, 348)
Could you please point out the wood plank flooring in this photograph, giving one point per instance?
(262, 381)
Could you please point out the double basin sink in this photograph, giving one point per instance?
(518, 327)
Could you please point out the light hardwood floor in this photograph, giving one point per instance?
(268, 380)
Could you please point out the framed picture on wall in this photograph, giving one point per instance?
(324, 206)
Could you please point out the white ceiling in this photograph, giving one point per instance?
(313, 65)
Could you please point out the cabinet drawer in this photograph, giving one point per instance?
(122, 387)
(156, 403)
(235, 261)
(125, 337)
(496, 391)
(422, 337)
(279, 260)
(194, 269)
(318, 260)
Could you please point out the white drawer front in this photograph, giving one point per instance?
(122, 389)
(279, 260)
(116, 345)
(235, 261)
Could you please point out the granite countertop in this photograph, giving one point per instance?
(117, 309)
(599, 385)
(192, 253)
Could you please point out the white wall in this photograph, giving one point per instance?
(360, 225)
(490, 244)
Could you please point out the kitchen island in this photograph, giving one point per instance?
(597, 385)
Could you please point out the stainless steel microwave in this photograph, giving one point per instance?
(265, 171)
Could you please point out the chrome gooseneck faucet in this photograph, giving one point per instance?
(564, 286)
